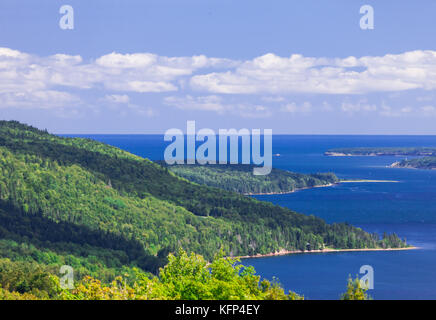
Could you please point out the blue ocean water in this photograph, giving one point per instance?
(407, 207)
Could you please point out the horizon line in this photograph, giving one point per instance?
(274, 134)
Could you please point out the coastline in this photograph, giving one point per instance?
(397, 165)
(363, 180)
(287, 192)
(319, 186)
(336, 154)
(326, 250)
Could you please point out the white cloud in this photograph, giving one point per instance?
(424, 98)
(292, 107)
(45, 99)
(207, 103)
(23, 75)
(391, 112)
(117, 98)
(142, 111)
(117, 60)
(273, 99)
(216, 104)
(272, 74)
(141, 86)
(252, 111)
(406, 110)
(122, 104)
(27, 79)
(428, 111)
(362, 105)
(326, 106)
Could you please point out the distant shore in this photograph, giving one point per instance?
(326, 250)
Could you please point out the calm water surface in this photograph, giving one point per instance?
(407, 208)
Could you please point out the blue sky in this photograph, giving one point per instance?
(299, 67)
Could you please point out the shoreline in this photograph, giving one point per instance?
(398, 166)
(319, 186)
(327, 250)
(287, 192)
(340, 154)
(374, 181)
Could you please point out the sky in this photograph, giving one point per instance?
(145, 66)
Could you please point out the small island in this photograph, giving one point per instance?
(419, 163)
(381, 151)
(426, 155)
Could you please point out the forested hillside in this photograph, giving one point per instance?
(240, 178)
(105, 211)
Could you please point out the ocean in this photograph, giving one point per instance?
(406, 207)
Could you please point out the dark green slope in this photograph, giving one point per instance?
(240, 178)
(122, 203)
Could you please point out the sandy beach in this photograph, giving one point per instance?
(326, 250)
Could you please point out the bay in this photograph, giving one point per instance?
(406, 207)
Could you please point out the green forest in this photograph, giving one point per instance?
(108, 213)
(239, 178)
(185, 277)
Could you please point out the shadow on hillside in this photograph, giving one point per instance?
(66, 238)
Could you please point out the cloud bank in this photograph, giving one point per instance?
(28, 80)
(272, 74)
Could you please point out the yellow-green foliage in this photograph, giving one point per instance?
(6, 295)
(355, 291)
(185, 277)
(27, 280)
